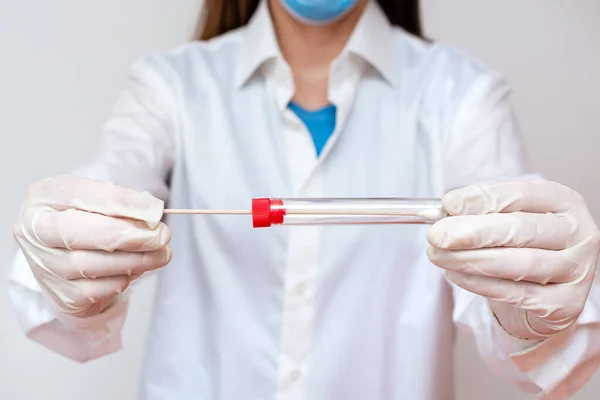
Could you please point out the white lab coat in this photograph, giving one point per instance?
(317, 313)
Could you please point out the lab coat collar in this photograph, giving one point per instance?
(259, 44)
(372, 40)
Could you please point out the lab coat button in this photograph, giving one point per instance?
(300, 289)
(295, 375)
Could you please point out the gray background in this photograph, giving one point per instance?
(63, 62)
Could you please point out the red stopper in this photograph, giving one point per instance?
(277, 214)
(261, 213)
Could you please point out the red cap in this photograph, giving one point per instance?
(261, 213)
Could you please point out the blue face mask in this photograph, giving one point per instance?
(318, 11)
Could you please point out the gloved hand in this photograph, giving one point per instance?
(531, 248)
(85, 240)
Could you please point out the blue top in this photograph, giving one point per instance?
(320, 123)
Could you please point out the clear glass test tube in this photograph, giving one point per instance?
(345, 211)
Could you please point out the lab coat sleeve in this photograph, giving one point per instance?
(136, 150)
(484, 145)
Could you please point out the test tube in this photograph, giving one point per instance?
(340, 211)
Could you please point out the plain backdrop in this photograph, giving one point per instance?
(62, 63)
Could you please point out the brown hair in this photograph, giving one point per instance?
(220, 16)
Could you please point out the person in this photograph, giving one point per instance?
(313, 98)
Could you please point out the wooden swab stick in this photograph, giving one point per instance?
(292, 211)
(207, 212)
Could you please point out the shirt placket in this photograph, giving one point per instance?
(302, 262)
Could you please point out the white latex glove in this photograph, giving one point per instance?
(85, 240)
(530, 247)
